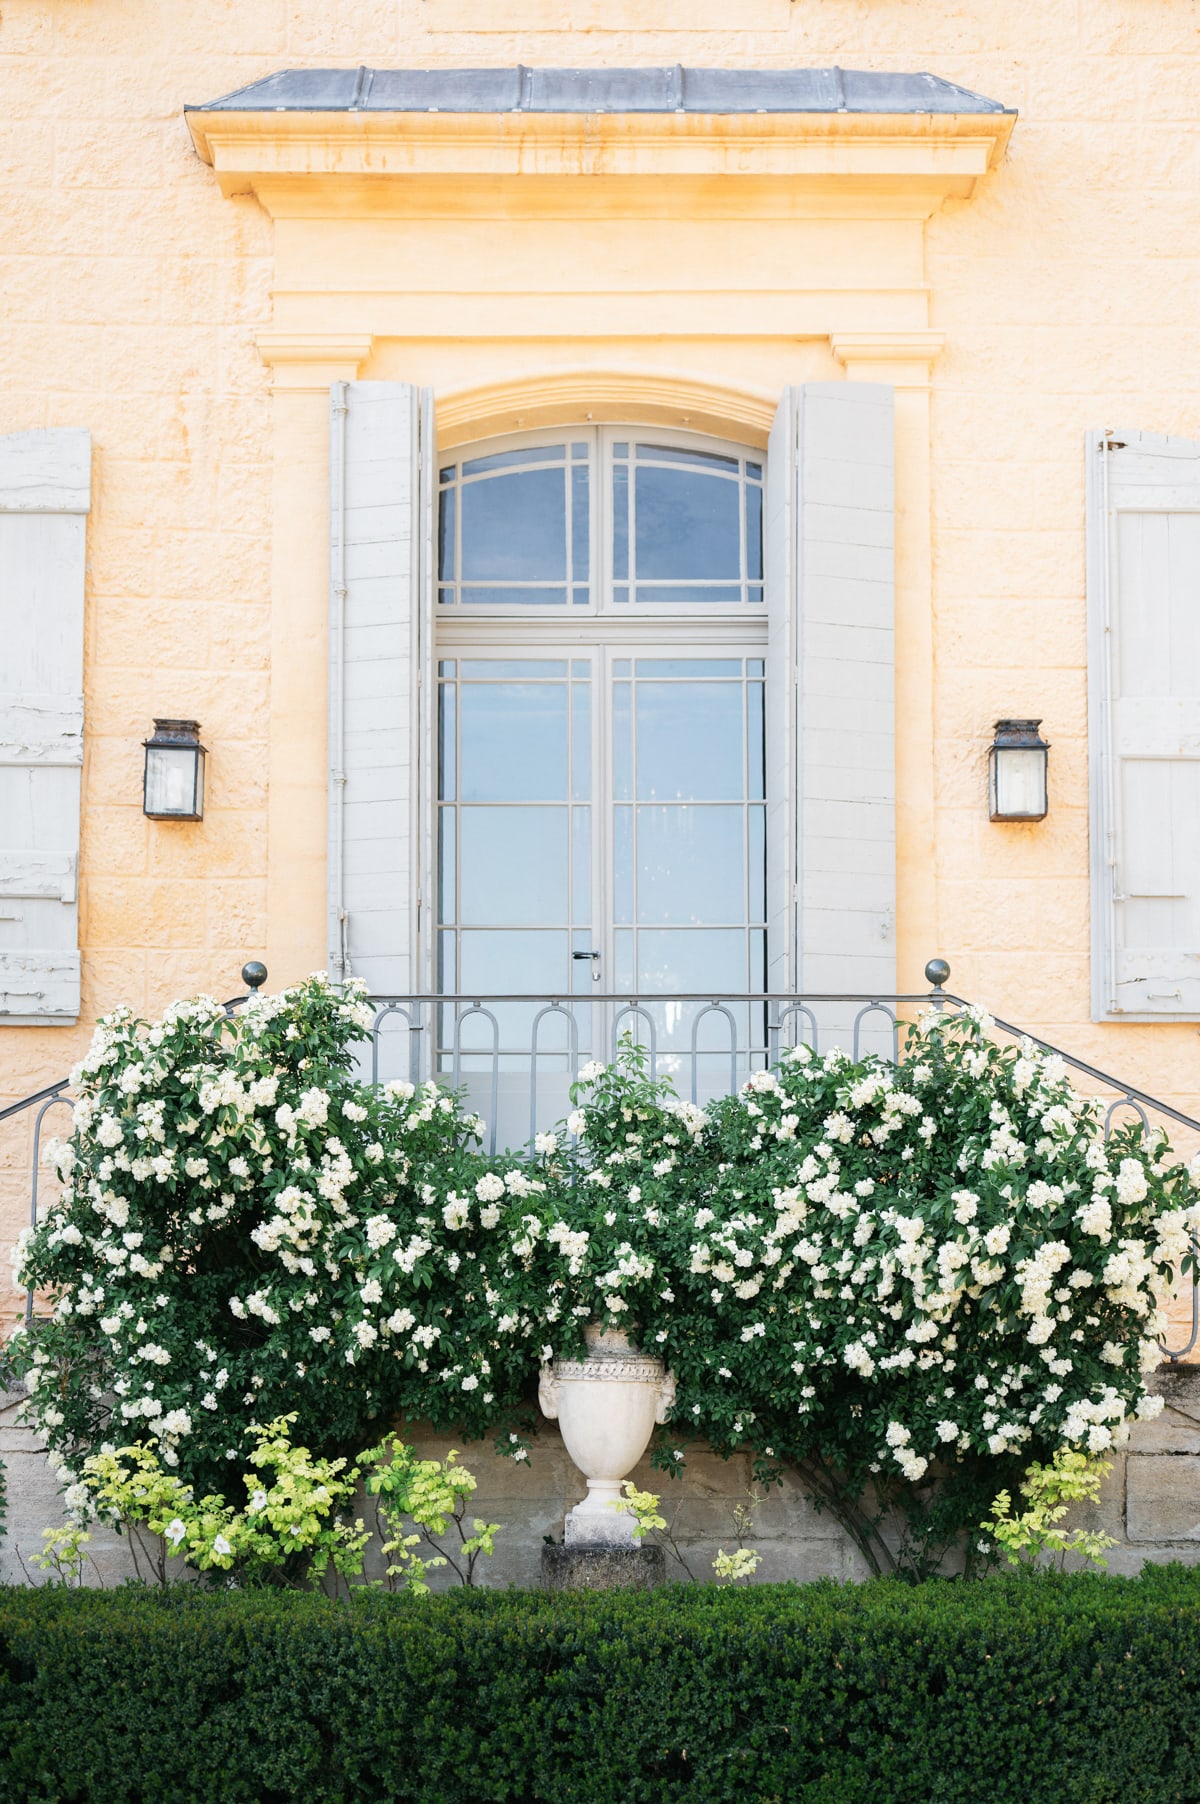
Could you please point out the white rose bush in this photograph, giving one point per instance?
(905, 1282)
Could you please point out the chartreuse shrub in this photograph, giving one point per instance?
(905, 1282)
(1035, 1689)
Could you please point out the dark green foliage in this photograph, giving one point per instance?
(1029, 1690)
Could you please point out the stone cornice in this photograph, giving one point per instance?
(919, 159)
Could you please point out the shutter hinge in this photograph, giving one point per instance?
(1111, 444)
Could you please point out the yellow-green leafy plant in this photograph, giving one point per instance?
(64, 1552)
(432, 1495)
(293, 1523)
(1050, 1490)
(742, 1563)
(643, 1507)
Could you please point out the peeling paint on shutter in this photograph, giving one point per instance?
(831, 806)
(1144, 724)
(45, 494)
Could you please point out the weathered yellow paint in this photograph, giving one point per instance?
(665, 270)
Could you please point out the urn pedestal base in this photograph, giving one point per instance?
(583, 1568)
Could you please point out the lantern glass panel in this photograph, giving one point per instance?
(1019, 782)
(174, 780)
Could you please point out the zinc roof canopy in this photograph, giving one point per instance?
(667, 89)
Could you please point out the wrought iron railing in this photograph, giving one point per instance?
(516, 1055)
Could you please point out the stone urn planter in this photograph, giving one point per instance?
(606, 1406)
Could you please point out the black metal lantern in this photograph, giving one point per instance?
(1017, 775)
(173, 784)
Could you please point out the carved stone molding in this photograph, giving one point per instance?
(310, 361)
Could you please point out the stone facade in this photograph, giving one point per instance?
(133, 293)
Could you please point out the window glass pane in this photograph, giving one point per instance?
(689, 742)
(754, 545)
(581, 864)
(754, 470)
(707, 960)
(447, 748)
(579, 448)
(529, 962)
(623, 964)
(756, 864)
(620, 482)
(446, 902)
(446, 517)
(710, 460)
(689, 667)
(755, 743)
(514, 667)
(687, 525)
(514, 866)
(513, 742)
(502, 595)
(690, 865)
(623, 864)
(622, 742)
(514, 528)
(698, 595)
(506, 460)
(580, 538)
(581, 741)
(447, 965)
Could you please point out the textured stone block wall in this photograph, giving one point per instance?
(1150, 1504)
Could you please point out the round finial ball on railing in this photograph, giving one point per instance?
(936, 972)
(254, 975)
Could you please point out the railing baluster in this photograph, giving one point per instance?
(553, 1007)
(715, 1008)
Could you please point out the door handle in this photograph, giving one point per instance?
(595, 958)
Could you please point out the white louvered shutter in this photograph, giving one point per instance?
(378, 645)
(829, 519)
(1144, 723)
(45, 494)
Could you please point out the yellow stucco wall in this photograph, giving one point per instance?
(132, 292)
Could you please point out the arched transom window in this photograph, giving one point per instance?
(605, 519)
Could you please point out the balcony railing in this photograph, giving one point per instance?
(516, 1056)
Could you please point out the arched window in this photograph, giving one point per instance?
(602, 519)
(601, 774)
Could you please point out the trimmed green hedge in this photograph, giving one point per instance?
(1041, 1690)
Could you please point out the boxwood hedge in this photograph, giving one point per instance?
(1035, 1690)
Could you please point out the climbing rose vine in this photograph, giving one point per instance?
(906, 1282)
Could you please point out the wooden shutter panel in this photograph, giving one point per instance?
(378, 635)
(45, 494)
(1144, 724)
(831, 801)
